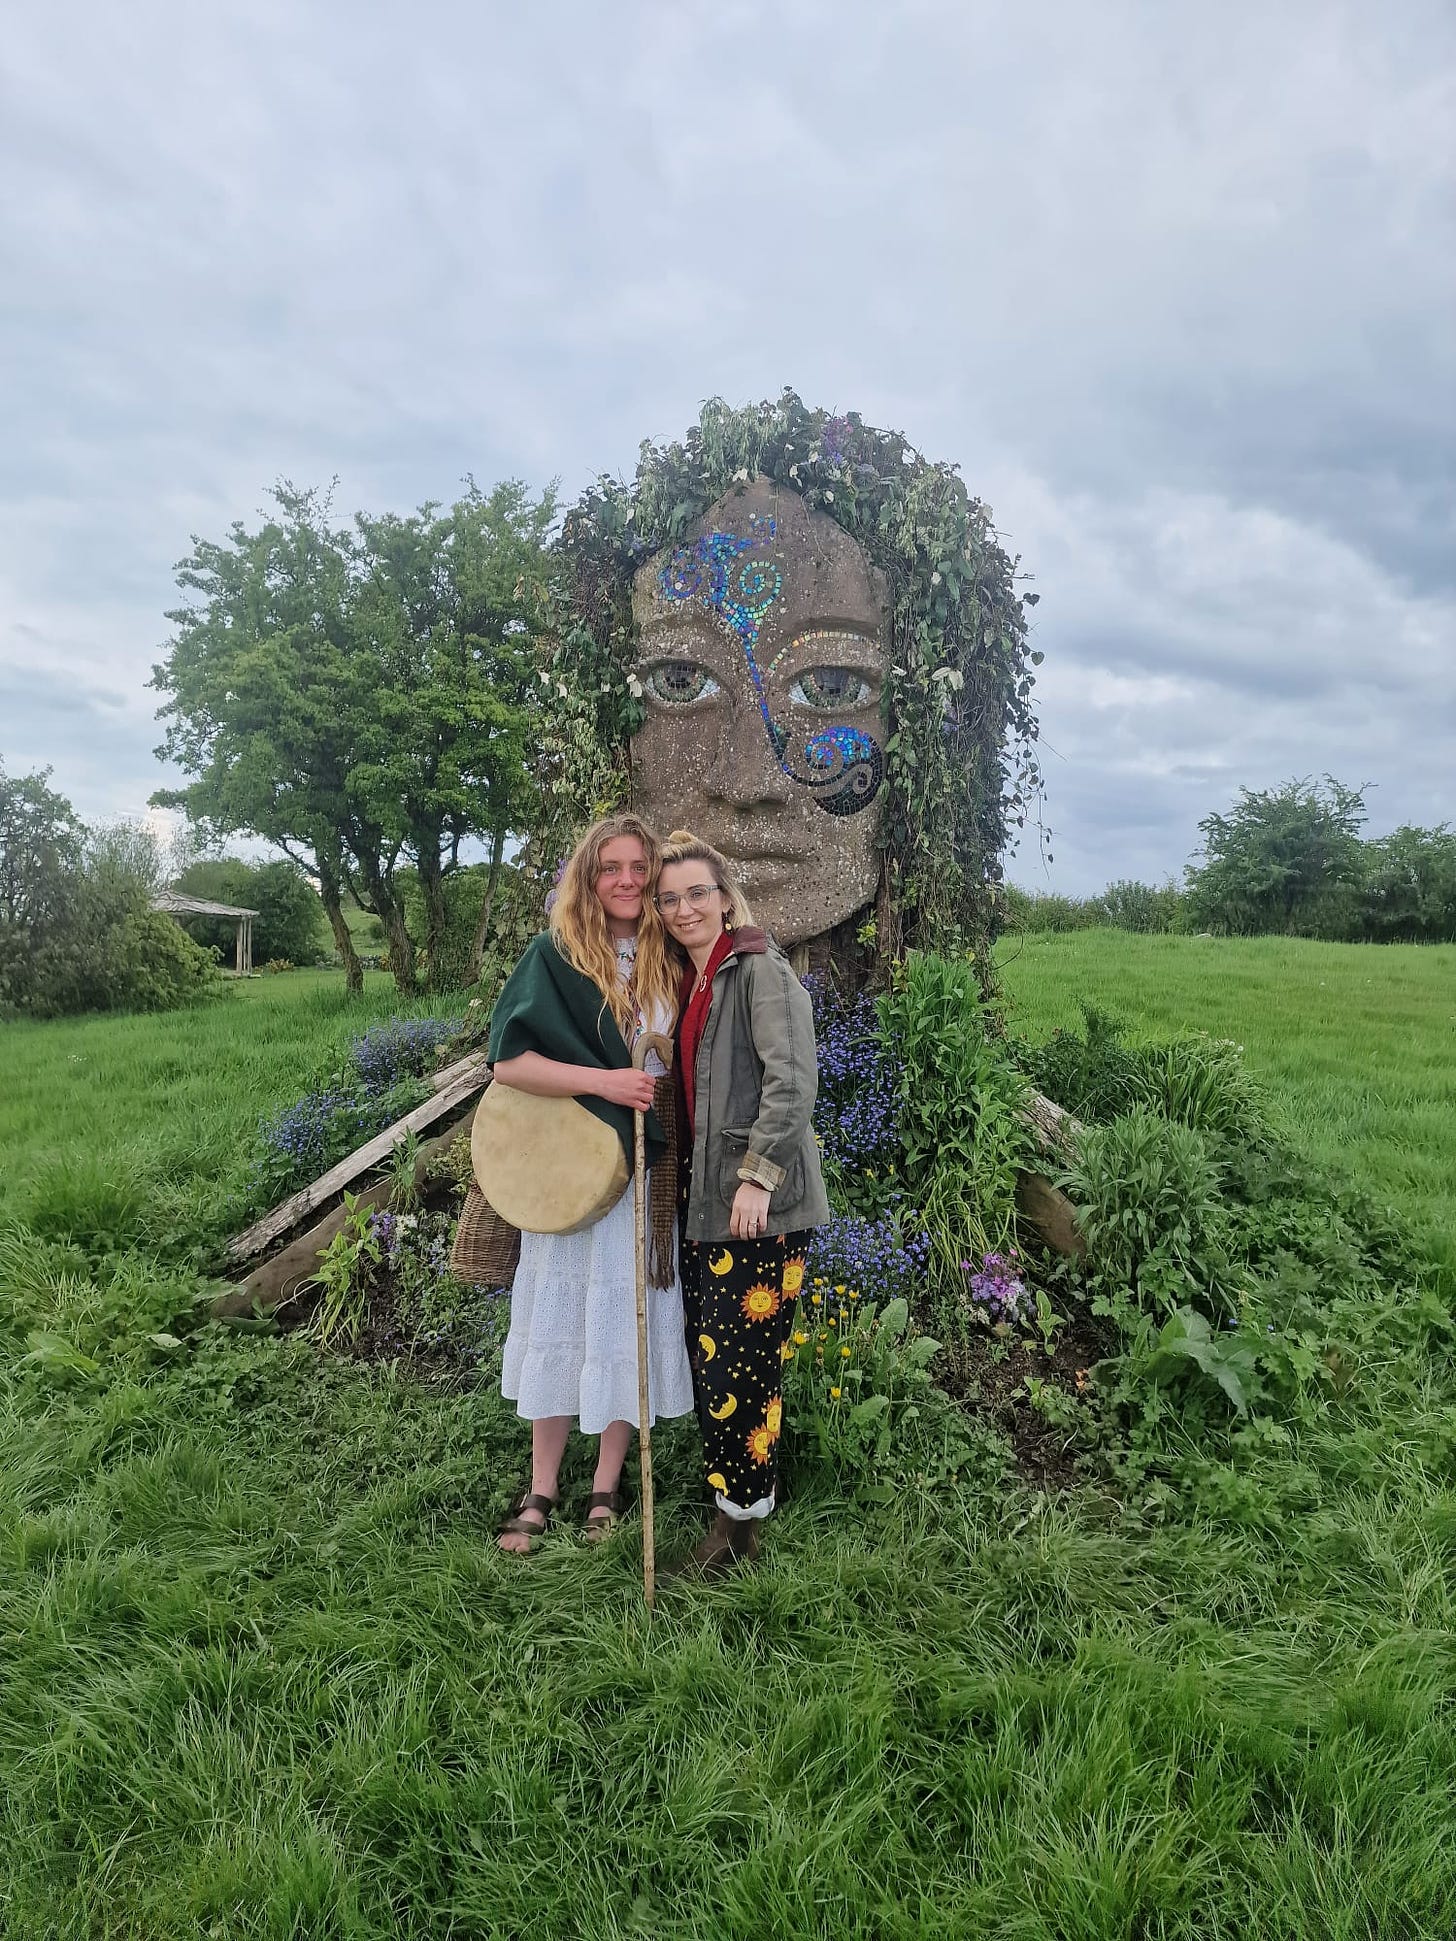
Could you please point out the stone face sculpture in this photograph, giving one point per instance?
(761, 655)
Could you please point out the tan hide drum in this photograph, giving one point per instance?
(546, 1165)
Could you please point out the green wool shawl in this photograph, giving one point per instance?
(548, 1007)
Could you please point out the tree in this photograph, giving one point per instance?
(360, 698)
(290, 916)
(449, 611)
(1285, 860)
(1409, 890)
(41, 844)
(77, 930)
(265, 697)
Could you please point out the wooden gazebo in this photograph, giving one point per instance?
(195, 906)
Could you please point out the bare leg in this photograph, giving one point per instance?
(611, 1454)
(548, 1444)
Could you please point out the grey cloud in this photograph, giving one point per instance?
(1171, 287)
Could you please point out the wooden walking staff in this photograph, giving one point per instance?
(647, 1041)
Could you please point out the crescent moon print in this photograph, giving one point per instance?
(722, 1415)
(842, 766)
(723, 1264)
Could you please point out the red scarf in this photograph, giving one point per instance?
(696, 999)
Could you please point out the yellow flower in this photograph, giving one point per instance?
(834, 1320)
(854, 1293)
(834, 1394)
(816, 1299)
(786, 1353)
(800, 1337)
(839, 1288)
(819, 1280)
(844, 1354)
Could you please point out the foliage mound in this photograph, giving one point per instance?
(77, 930)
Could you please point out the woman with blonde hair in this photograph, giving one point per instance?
(748, 1074)
(563, 1027)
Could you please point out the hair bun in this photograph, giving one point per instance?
(680, 836)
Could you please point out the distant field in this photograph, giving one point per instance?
(1356, 1041)
(151, 1119)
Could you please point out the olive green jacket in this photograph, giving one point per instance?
(754, 1085)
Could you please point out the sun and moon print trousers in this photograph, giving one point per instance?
(738, 1300)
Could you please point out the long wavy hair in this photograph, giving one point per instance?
(682, 846)
(579, 927)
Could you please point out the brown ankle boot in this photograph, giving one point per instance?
(731, 1543)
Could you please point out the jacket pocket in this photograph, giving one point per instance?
(733, 1151)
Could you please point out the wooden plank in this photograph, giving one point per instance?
(452, 1087)
(274, 1281)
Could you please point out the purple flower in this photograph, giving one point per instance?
(995, 1286)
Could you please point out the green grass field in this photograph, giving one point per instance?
(262, 1672)
(138, 1128)
(1356, 1043)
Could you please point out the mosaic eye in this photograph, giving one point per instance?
(679, 683)
(835, 688)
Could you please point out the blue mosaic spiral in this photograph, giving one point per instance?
(850, 769)
(846, 766)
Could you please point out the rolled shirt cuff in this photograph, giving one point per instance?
(758, 1171)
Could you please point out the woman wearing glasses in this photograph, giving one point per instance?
(753, 1186)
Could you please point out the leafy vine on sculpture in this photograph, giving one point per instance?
(798, 636)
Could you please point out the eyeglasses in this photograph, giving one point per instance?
(668, 901)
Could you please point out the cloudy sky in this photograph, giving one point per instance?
(1173, 286)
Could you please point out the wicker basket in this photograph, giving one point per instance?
(487, 1248)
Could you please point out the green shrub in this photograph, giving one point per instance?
(1094, 1076)
(1038, 910)
(959, 1094)
(1142, 908)
(290, 922)
(1149, 1202)
(1201, 1082)
(115, 953)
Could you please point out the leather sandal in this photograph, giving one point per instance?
(515, 1525)
(597, 1529)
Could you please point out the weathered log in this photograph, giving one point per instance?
(1054, 1129)
(1049, 1213)
(452, 1087)
(278, 1279)
(1045, 1207)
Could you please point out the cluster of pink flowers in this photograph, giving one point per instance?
(997, 1285)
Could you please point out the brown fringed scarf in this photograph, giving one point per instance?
(662, 1189)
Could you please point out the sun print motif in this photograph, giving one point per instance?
(761, 1303)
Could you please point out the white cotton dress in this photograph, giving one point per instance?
(572, 1345)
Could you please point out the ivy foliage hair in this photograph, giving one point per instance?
(682, 846)
(579, 926)
(961, 772)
